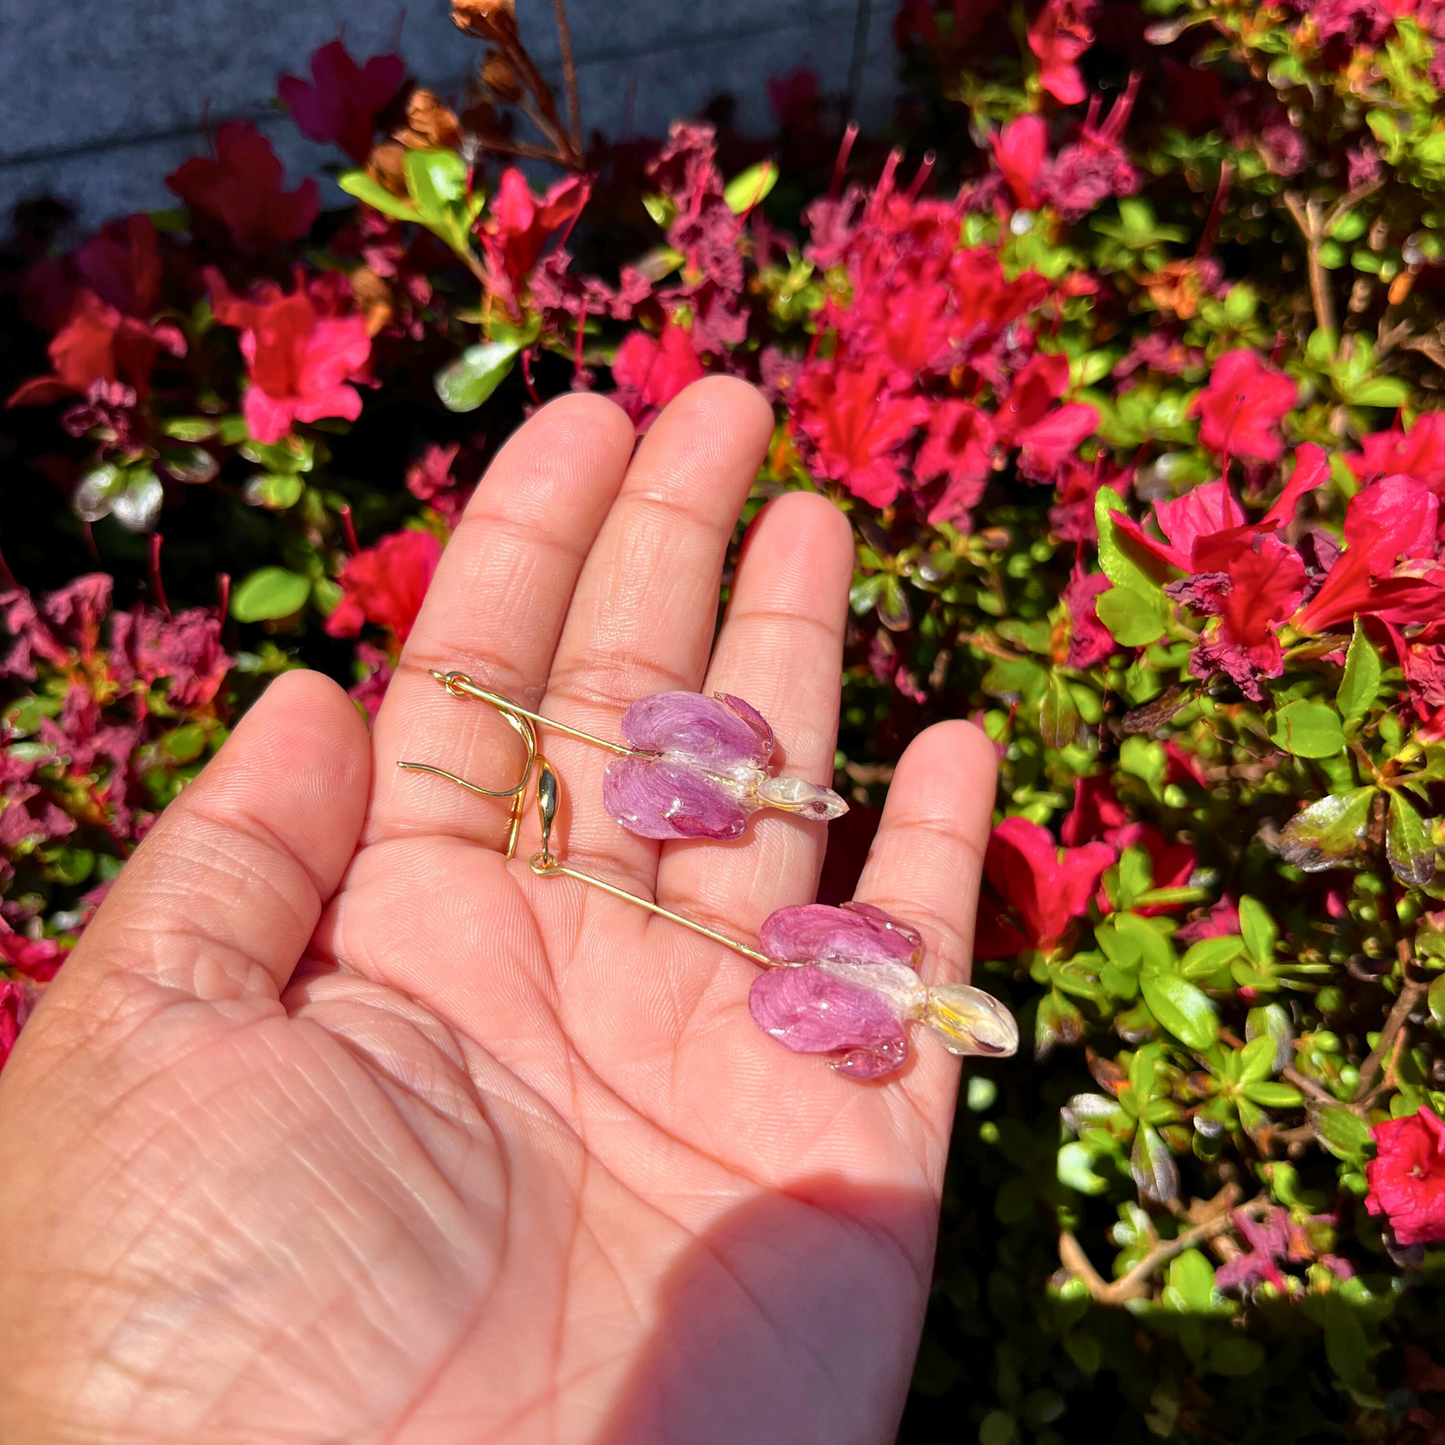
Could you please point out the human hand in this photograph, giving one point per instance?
(337, 1126)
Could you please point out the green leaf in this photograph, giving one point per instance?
(1135, 618)
(998, 1428)
(1257, 1060)
(1259, 929)
(1058, 714)
(268, 594)
(1182, 1008)
(375, 195)
(749, 188)
(1389, 391)
(469, 380)
(660, 208)
(1269, 1095)
(1436, 1001)
(1407, 842)
(274, 490)
(190, 428)
(1152, 1166)
(1209, 955)
(1327, 833)
(1362, 676)
(1076, 1169)
(1124, 563)
(437, 180)
(1191, 1277)
(1342, 1132)
(1236, 1355)
(1309, 730)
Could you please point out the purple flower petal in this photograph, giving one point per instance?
(856, 932)
(658, 799)
(812, 1012)
(719, 734)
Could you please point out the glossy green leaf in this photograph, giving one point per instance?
(1327, 833)
(372, 193)
(269, 594)
(1408, 845)
(1269, 1095)
(1191, 1277)
(467, 382)
(1258, 928)
(1134, 618)
(1123, 563)
(1152, 1166)
(1342, 1132)
(1076, 1169)
(1309, 730)
(1361, 680)
(1181, 1008)
(1257, 1060)
(1058, 714)
(750, 187)
(1209, 955)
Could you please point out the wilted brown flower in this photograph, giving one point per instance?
(373, 297)
(487, 19)
(499, 77)
(430, 125)
(384, 166)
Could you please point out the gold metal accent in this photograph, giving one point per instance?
(545, 867)
(520, 724)
(460, 685)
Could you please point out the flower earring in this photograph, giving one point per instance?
(837, 981)
(692, 766)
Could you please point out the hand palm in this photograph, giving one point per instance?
(503, 1159)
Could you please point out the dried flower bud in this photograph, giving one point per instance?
(430, 125)
(488, 19)
(385, 167)
(499, 77)
(373, 297)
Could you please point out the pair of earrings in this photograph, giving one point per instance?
(836, 981)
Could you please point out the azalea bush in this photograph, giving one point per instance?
(1122, 355)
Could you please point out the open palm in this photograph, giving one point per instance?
(340, 1127)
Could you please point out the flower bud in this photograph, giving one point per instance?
(499, 77)
(488, 19)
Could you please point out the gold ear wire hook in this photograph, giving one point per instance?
(517, 794)
(460, 685)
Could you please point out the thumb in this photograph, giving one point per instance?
(222, 897)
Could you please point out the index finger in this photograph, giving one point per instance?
(495, 611)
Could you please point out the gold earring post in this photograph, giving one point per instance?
(460, 685)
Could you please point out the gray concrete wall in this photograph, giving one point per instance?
(101, 99)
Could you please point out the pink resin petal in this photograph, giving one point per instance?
(715, 733)
(856, 933)
(658, 799)
(811, 1012)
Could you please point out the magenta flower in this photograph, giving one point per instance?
(700, 769)
(847, 985)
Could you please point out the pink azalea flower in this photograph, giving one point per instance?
(386, 584)
(650, 371)
(1062, 31)
(299, 358)
(1241, 408)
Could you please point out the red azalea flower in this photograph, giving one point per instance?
(1419, 453)
(341, 104)
(959, 446)
(1389, 523)
(1241, 408)
(1060, 34)
(1090, 642)
(1020, 150)
(14, 1007)
(909, 324)
(122, 265)
(97, 343)
(983, 301)
(186, 649)
(650, 371)
(1407, 1176)
(37, 958)
(386, 584)
(1096, 165)
(1029, 419)
(241, 189)
(1221, 921)
(520, 226)
(1045, 886)
(299, 357)
(856, 426)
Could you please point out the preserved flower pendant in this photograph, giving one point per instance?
(700, 767)
(845, 983)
